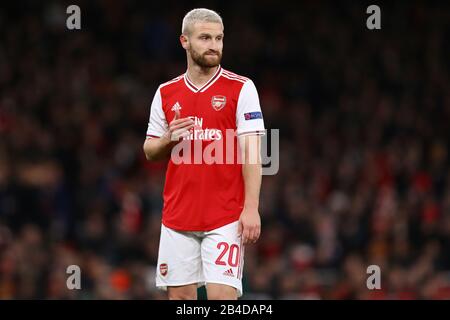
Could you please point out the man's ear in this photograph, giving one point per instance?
(184, 41)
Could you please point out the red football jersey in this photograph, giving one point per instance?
(202, 194)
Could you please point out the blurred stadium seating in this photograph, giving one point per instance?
(364, 166)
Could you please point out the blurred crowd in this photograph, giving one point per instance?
(364, 173)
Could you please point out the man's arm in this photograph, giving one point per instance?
(159, 148)
(250, 221)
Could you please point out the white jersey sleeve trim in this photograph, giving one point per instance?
(249, 118)
(157, 124)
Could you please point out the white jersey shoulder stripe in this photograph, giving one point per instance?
(232, 74)
(171, 81)
(232, 78)
(237, 77)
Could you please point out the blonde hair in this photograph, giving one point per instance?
(199, 15)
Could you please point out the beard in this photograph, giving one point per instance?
(209, 59)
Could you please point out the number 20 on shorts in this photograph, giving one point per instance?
(233, 252)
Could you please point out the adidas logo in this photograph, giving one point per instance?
(176, 107)
(229, 273)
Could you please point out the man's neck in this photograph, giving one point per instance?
(200, 76)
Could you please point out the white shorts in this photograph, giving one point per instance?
(187, 257)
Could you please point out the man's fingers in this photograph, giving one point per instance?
(246, 235)
(178, 121)
(240, 228)
(249, 234)
(256, 236)
(183, 132)
(177, 115)
(185, 125)
(253, 234)
(258, 233)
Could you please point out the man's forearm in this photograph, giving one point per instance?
(251, 170)
(250, 221)
(252, 181)
(158, 148)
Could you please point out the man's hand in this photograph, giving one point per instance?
(249, 225)
(159, 149)
(178, 128)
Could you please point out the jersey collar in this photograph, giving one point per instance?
(213, 79)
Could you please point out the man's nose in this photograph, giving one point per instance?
(215, 45)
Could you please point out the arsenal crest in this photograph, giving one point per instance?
(163, 268)
(218, 102)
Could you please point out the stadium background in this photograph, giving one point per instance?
(364, 167)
